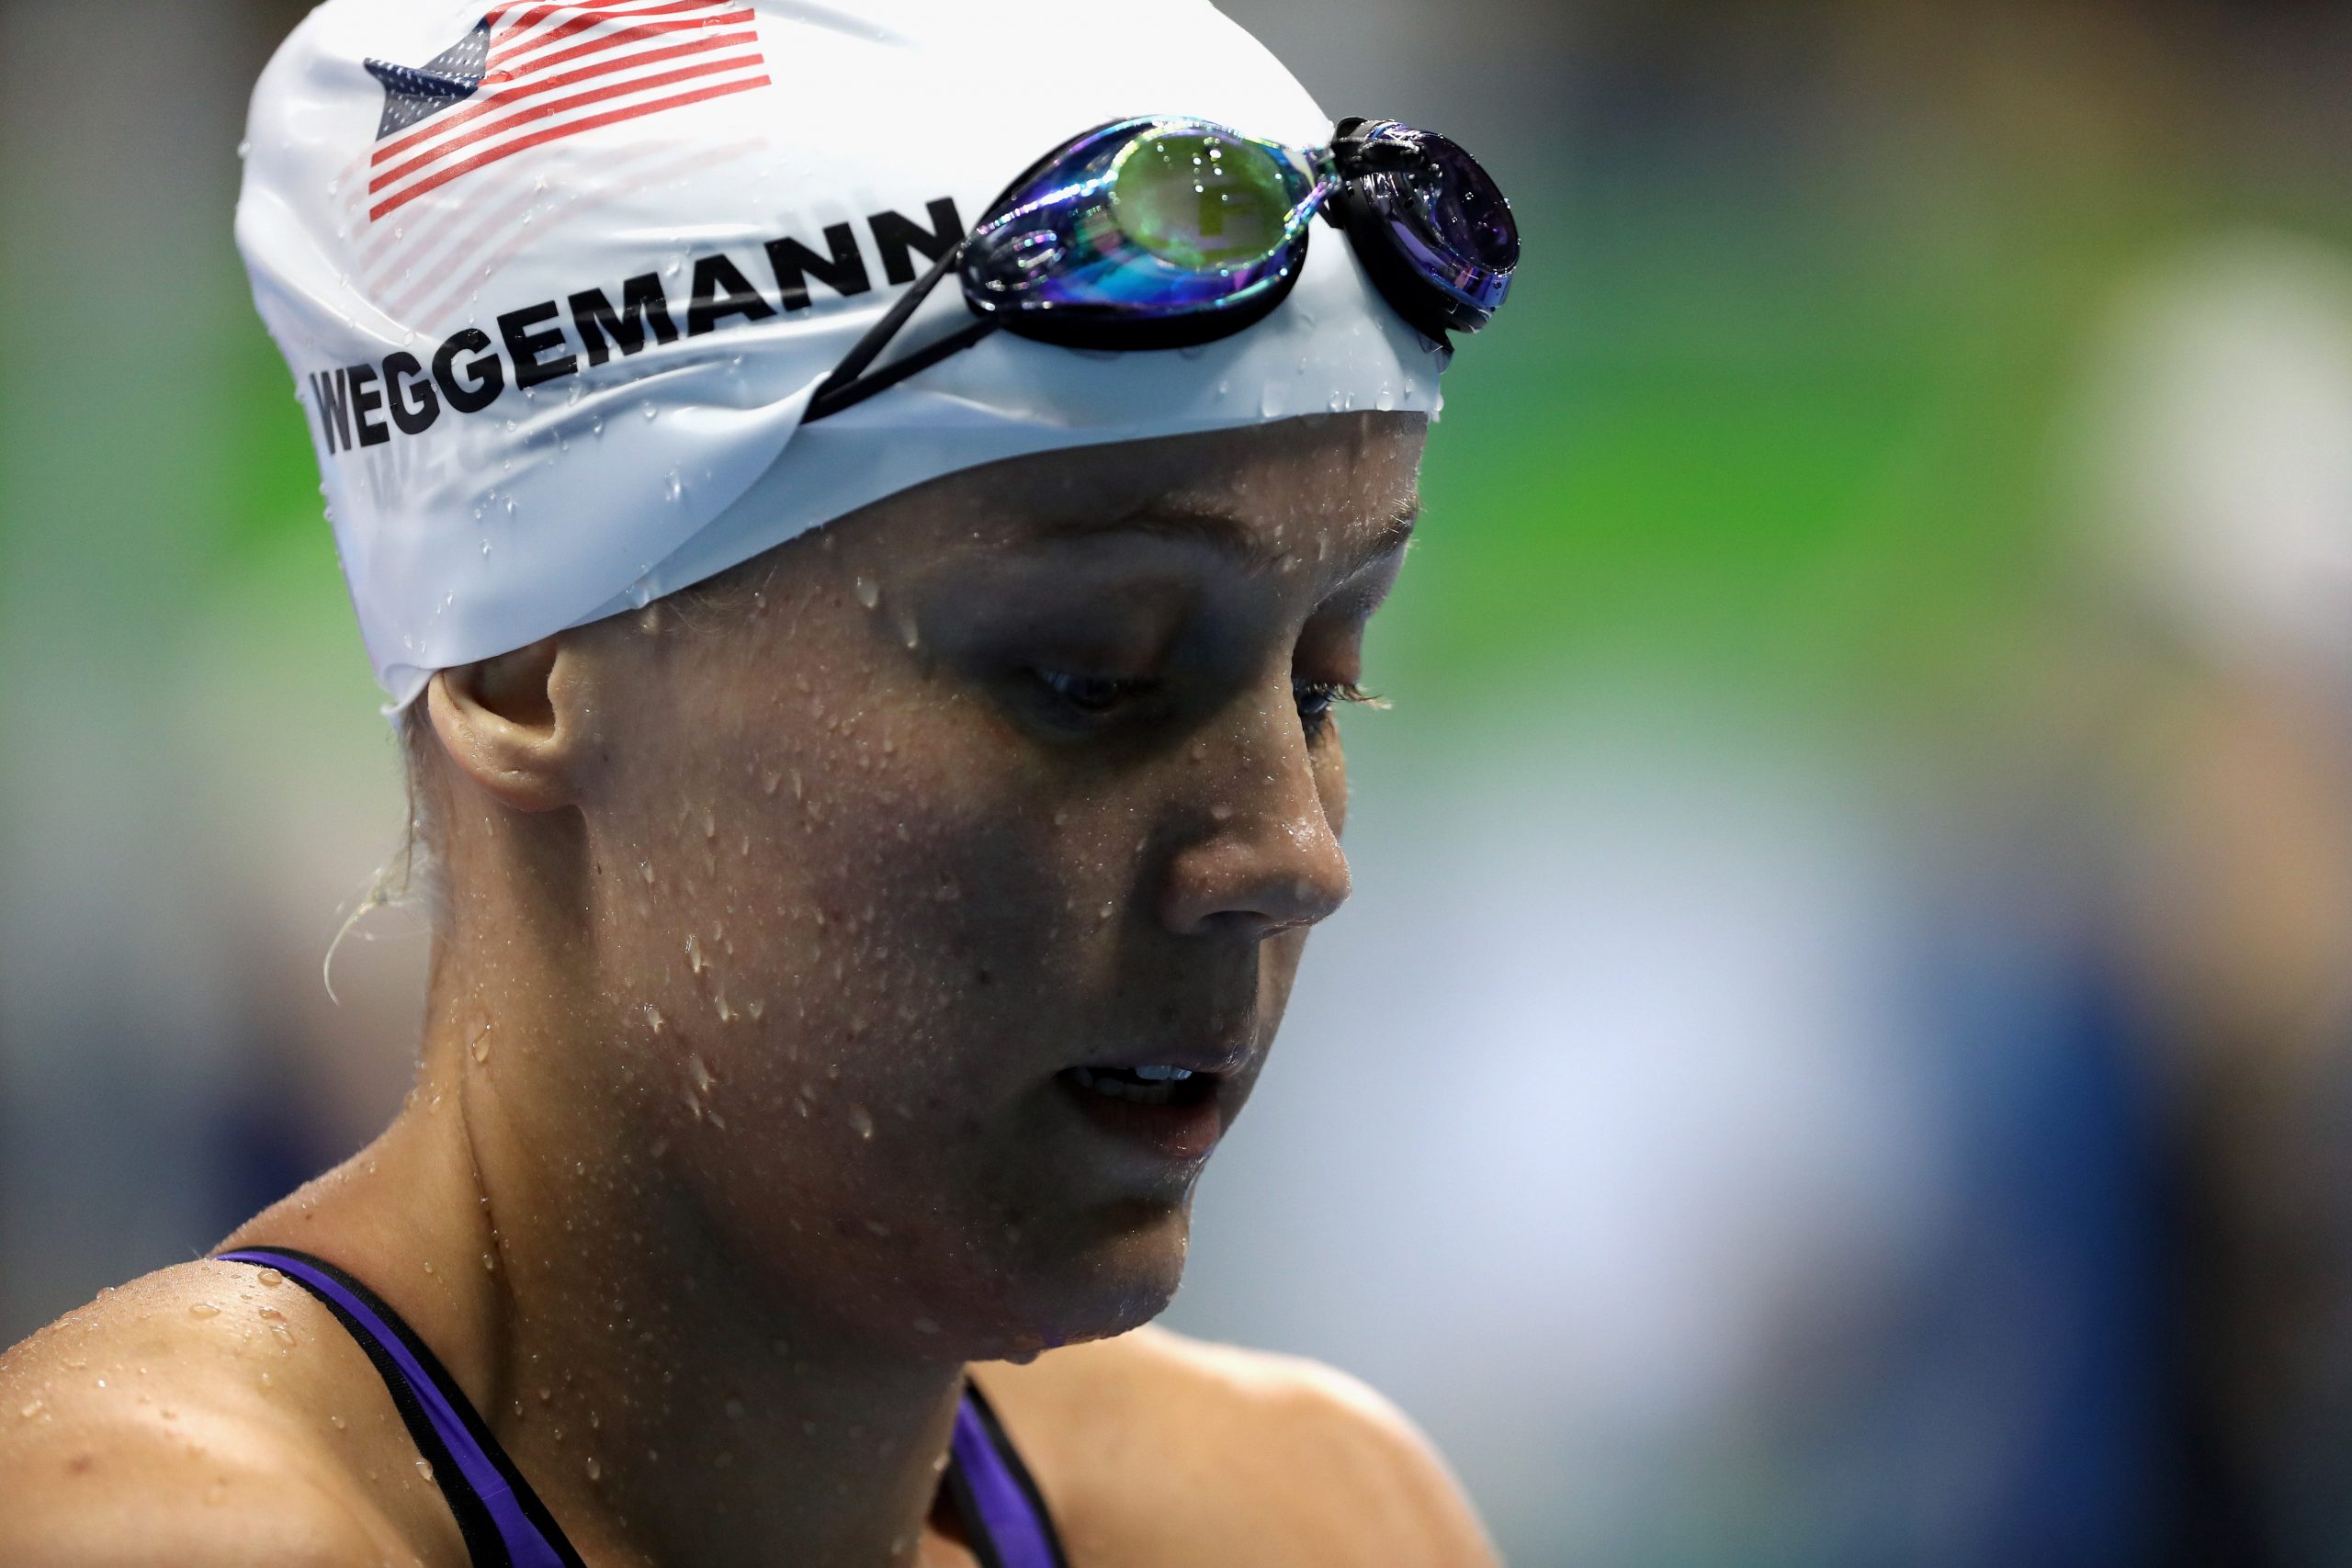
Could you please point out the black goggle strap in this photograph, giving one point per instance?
(849, 384)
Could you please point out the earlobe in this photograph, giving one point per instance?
(504, 724)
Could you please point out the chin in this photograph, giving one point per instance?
(1106, 1286)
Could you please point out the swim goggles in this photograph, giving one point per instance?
(1167, 231)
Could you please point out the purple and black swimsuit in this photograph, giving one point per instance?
(503, 1520)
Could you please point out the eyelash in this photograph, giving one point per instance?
(1093, 696)
(1097, 696)
(1321, 695)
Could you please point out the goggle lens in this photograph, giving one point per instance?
(1442, 218)
(1136, 234)
(1199, 200)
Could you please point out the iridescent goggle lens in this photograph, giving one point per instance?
(1161, 231)
(1431, 226)
(1138, 226)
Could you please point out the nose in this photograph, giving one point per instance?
(1266, 858)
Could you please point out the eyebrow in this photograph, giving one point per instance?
(1175, 517)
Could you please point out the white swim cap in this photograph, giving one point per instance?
(558, 280)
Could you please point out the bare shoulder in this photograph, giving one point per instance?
(1155, 1448)
(166, 1422)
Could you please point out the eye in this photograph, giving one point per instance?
(1093, 697)
(1315, 699)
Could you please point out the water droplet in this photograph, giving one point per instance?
(338, 1423)
(26, 1412)
(204, 1309)
(270, 1278)
(1220, 812)
(869, 593)
(596, 1470)
(861, 1122)
(653, 1017)
(908, 632)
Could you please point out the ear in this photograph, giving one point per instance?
(511, 724)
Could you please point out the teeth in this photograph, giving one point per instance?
(1144, 1086)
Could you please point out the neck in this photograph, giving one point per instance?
(673, 1404)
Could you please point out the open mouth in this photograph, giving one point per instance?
(1148, 1085)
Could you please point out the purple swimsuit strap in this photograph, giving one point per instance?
(998, 1501)
(503, 1520)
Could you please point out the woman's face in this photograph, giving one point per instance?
(924, 854)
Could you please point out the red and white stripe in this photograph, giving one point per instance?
(430, 287)
(557, 70)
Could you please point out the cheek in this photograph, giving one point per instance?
(872, 926)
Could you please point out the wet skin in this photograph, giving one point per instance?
(777, 921)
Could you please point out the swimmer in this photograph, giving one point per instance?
(868, 525)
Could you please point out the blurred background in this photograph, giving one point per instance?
(1842, 1052)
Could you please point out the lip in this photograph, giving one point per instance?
(1220, 1063)
(1177, 1133)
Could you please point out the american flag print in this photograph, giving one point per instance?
(532, 72)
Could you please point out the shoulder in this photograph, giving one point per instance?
(1250, 1456)
(161, 1424)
